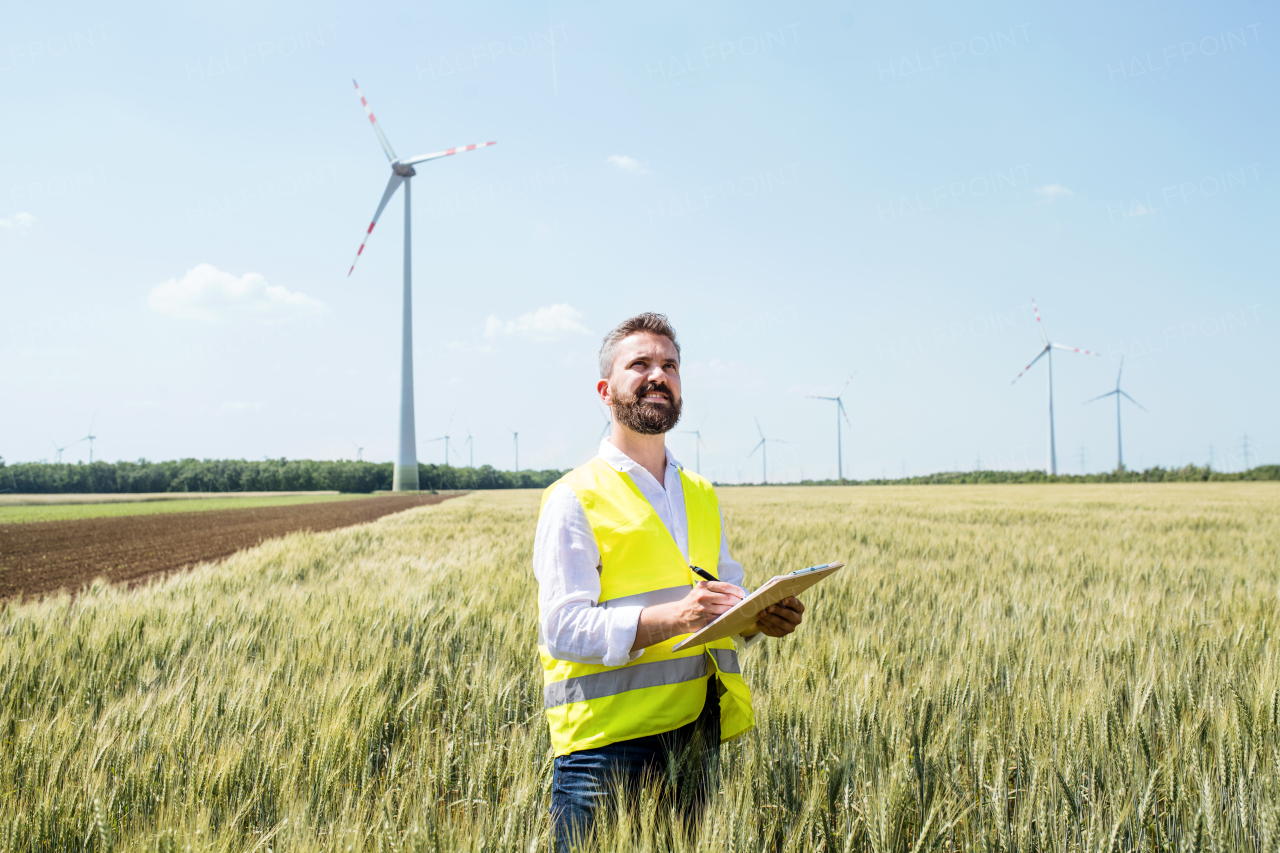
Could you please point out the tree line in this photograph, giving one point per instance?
(241, 475)
(1185, 474)
(306, 475)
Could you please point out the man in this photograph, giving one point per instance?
(613, 553)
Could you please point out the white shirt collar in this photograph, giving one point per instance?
(620, 461)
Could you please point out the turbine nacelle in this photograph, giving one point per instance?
(404, 170)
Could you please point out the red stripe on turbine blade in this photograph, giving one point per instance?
(361, 249)
(353, 269)
(371, 224)
(372, 120)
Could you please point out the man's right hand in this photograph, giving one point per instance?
(704, 603)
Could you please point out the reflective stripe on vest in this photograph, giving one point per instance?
(592, 705)
(622, 679)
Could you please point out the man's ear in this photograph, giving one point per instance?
(602, 388)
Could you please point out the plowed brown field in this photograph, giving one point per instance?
(45, 556)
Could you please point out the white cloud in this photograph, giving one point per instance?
(1051, 192)
(628, 164)
(19, 222)
(207, 294)
(545, 324)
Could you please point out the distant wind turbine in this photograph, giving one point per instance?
(90, 437)
(697, 447)
(471, 450)
(608, 424)
(1048, 349)
(763, 446)
(1117, 393)
(405, 473)
(63, 447)
(515, 436)
(444, 438)
(359, 450)
(839, 412)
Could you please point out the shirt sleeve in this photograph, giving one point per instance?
(730, 570)
(572, 625)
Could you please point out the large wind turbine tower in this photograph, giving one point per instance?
(405, 476)
(1048, 349)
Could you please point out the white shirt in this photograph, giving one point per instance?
(566, 561)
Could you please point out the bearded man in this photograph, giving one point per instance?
(616, 542)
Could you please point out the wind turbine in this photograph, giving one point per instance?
(471, 450)
(608, 424)
(445, 439)
(839, 411)
(764, 456)
(405, 476)
(1117, 393)
(1048, 349)
(90, 437)
(63, 447)
(359, 450)
(515, 434)
(697, 447)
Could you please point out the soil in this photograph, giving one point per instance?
(41, 557)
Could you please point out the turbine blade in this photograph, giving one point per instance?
(1135, 402)
(392, 186)
(846, 384)
(422, 158)
(757, 420)
(1033, 361)
(1099, 397)
(754, 449)
(1075, 349)
(1119, 372)
(840, 403)
(386, 146)
(1039, 325)
(816, 397)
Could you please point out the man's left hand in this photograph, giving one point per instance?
(782, 618)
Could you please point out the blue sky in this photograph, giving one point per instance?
(809, 191)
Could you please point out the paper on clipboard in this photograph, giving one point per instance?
(743, 614)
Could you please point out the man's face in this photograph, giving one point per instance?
(644, 387)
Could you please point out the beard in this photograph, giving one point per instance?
(645, 417)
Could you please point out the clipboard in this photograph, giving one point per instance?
(743, 614)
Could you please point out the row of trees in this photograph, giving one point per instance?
(240, 475)
(1185, 474)
(305, 475)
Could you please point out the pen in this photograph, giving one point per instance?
(703, 573)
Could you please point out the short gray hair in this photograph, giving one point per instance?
(646, 322)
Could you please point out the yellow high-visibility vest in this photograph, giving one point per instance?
(592, 705)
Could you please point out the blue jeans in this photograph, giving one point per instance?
(682, 762)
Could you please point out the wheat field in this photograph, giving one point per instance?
(1001, 668)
